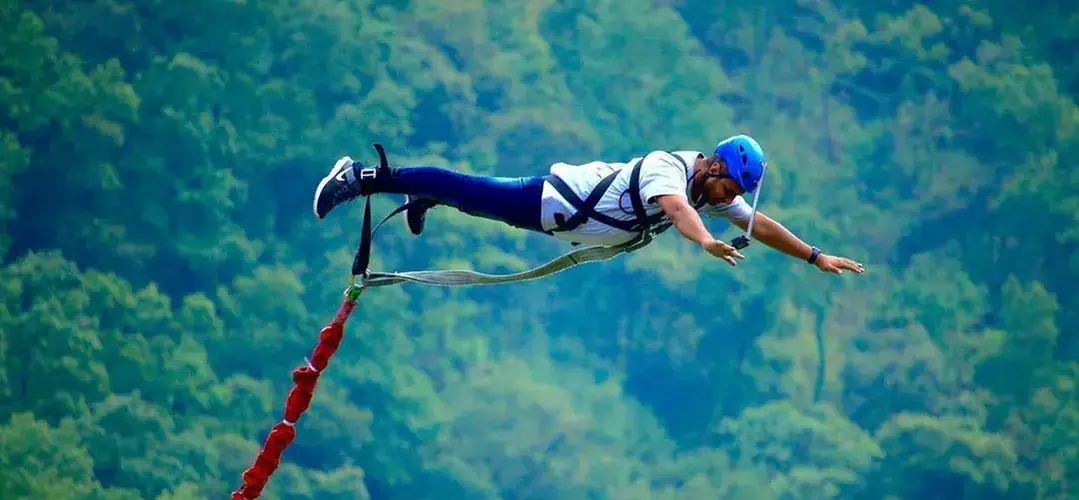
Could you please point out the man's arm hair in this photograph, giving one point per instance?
(685, 218)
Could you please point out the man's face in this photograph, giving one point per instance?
(719, 189)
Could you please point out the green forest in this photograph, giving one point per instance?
(162, 273)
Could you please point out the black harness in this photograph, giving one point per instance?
(642, 223)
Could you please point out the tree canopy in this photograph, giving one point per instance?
(161, 271)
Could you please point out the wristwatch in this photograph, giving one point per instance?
(813, 256)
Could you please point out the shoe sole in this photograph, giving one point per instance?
(341, 164)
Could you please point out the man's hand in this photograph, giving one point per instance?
(723, 251)
(688, 222)
(836, 265)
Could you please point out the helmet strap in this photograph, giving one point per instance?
(756, 198)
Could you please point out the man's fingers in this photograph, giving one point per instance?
(730, 260)
(853, 266)
(838, 264)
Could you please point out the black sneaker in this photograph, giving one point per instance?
(344, 183)
(416, 214)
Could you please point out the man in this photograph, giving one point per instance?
(598, 203)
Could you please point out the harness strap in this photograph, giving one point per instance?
(635, 198)
(587, 209)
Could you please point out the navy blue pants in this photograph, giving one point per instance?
(512, 200)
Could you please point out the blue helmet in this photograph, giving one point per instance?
(745, 160)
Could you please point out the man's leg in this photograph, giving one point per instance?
(514, 201)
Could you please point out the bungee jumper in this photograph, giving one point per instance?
(612, 207)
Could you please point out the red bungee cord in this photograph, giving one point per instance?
(305, 379)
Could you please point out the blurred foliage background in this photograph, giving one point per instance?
(162, 273)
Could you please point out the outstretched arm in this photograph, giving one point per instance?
(688, 222)
(772, 233)
(775, 235)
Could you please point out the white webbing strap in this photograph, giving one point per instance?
(462, 277)
(756, 198)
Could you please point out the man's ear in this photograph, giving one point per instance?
(716, 167)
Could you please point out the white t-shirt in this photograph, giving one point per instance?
(661, 174)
